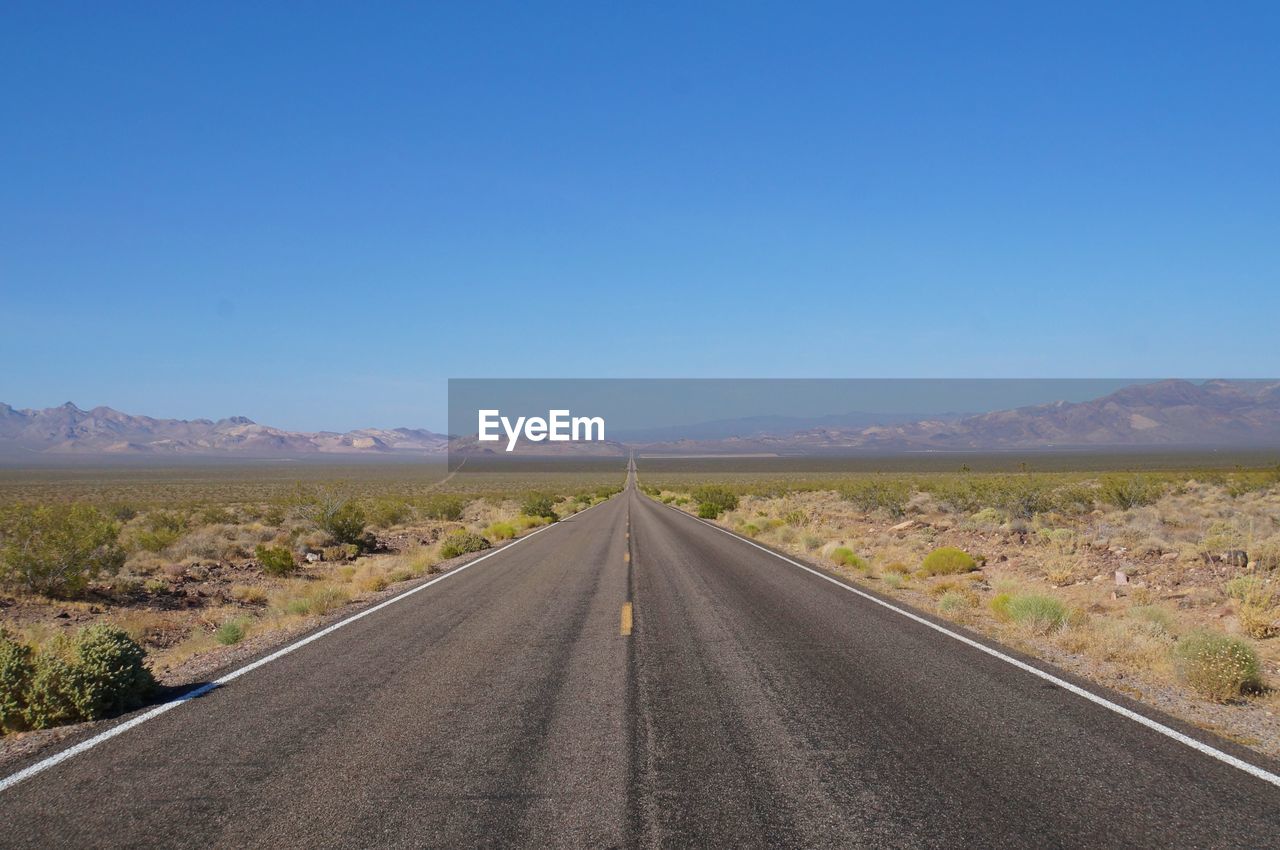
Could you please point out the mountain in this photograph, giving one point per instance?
(761, 426)
(103, 431)
(1164, 414)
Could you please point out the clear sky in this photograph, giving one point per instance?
(313, 215)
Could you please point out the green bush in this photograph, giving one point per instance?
(276, 560)
(1039, 614)
(462, 542)
(384, 513)
(443, 506)
(98, 673)
(16, 669)
(846, 558)
(890, 496)
(713, 501)
(345, 524)
(230, 632)
(947, 560)
(1125, 492)
(159, 531)
(1218, 667)
(56, 550)
(539, 504)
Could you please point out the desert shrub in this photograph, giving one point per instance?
(98, 673)
(443, 506)
(1249, 588)
(217, 515)
(1218, 667)
(1021, 497)
(276, 560)
(230, 632)
(1153, 620)
(1074, 499)
(341, 552)
(461, 543)
(345, 524)
(845, 557)
(947, 560)
(500, 531)
(713, 501)
(987, 517)
(794, 518)
(539, 504)
(894, 580)
(1128, 491)
(16, 669)
(57, 550)
(1039, 614)
(876, 494)
(159, 531)
(953, 602)
(120, 511)
(384, 513)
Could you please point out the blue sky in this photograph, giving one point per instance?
(315, 215)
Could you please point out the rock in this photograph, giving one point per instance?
(312, 558)
(1099, 578)
(905, 525)
(1235, 558)
(1121, 577)
(1118, 550)
(1169, 556)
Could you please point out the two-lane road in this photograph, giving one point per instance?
(752, 704)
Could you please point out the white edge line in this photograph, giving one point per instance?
(120, 729)
(1200, 746)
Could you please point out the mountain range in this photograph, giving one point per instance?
(103, 431)
(1163, 414)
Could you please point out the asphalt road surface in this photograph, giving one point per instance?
(752, 704)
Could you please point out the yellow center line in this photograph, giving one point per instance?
(626, 619)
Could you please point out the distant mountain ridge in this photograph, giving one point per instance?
(1163, 414)
(103, 431)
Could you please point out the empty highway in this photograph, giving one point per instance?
(739, 701)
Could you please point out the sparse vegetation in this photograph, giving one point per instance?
(713, 501)
(462, 543)
(276, 560)
(98, 673)
(56, 550)
(230, 632)
(947, 560)
(1035, 612)
(1219, 667)
(539, 504)
(845, 557)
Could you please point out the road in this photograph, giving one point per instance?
(752, 704)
